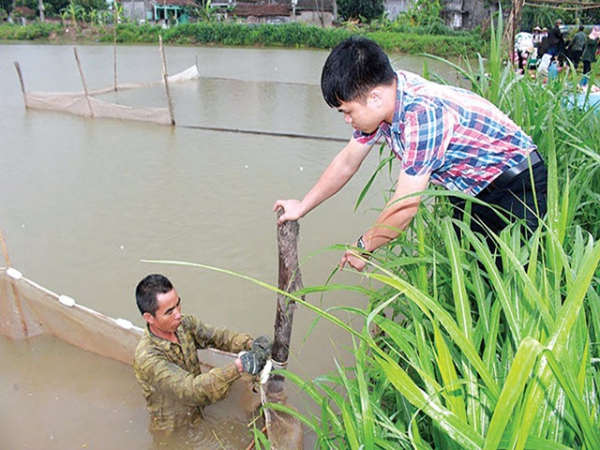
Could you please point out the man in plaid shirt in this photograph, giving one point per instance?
(441, 134)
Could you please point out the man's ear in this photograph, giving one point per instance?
(375, 97)
(148, 317)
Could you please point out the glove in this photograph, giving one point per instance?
(253, 361)
(263, 344)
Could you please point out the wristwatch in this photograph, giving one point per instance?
(361, 244)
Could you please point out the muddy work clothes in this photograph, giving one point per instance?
(170, 374)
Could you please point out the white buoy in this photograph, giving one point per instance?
(124, 323)
(66, 301)
(14, 273)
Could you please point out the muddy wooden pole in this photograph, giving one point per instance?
(284, 431)
(290, 280)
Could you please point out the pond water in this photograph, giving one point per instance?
(84, 202)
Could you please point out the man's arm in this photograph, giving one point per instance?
(338, 173)
(395, 218)
(155, 372)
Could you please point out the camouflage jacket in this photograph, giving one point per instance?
(170, 373)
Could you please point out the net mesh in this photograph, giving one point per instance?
(28, 309)
(78, 103)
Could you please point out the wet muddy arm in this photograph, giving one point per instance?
(200, 390)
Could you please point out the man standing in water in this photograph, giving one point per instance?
(441, 134)
(166, 360)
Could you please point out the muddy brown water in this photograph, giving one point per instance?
(84, 202)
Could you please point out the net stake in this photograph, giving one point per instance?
(85, 87)
(166, 81)
(20, 74)
(284, 430)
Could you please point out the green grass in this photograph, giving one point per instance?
(290, 35)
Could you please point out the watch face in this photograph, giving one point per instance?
(360, 243)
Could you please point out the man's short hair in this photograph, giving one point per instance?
(147, 291)
(354, 67)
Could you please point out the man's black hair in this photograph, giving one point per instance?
(352, 69)
(148, 289)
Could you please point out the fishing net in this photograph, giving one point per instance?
(78, 103)
(28, 309)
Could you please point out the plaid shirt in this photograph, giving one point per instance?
(170, 373)
(460, 139)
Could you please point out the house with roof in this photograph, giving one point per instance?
(458, 14)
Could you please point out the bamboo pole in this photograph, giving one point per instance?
(166, 81)
(115, 17)
(20, 74)
(85, 87)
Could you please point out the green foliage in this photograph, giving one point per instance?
(362, 10)
(467, 44)
(29, 32)
(546, 17)
(446, 42)
(425, 13)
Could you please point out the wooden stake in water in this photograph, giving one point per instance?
(115, 17)
(13, 285)
(166, 81)
(85, 87)
(284, 431)
(20, 74)
(290, 280)
(4, 248)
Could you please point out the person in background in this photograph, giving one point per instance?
(544, 45)
(440, 134)
(537, 36)
(588, 56)
(166, 360)
(556, 41)
(576, 47)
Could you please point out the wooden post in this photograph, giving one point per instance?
(290, 280)
(20, 74)
(115, 48)
(166, 81)
(13, 285)
(284, 431)
(85, 88)
(4, 249)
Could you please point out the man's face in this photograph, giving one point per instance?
(168, 315)
(363, 115)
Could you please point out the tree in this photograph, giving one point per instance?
(362, 10)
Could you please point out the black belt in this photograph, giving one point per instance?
(506, 176)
